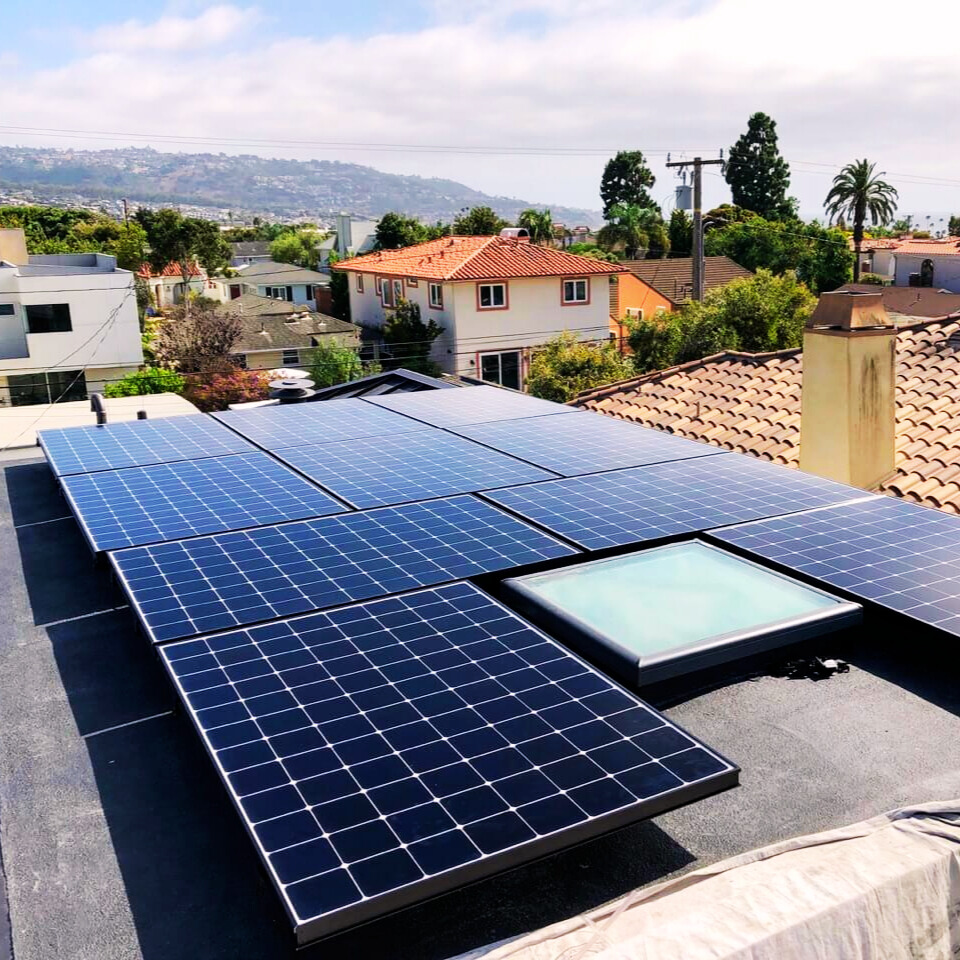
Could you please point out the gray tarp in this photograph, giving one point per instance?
(885, 888)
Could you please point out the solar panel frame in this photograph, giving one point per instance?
(884, 551)
(434, 778)
(138, 443)
(303, 424)
(664, 500)
(592, 443)
(450, 408)
(189, 498)
(189, 587)
(379, 471)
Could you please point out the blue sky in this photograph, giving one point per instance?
(532, 95)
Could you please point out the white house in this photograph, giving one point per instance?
(495, 297)
(936, 263)
(279, 281)
(68, 323)
(167, 287)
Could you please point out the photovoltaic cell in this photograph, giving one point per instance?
(136, 443)
(450, 408)
(167, 501)
(590, 443)
(667, 499)
(416, 466)
(299, 424)
(392, 750)
(899, 555)
(197, 586)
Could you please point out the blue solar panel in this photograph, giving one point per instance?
(389, 751)
(122, 508)
(589, 443)
(213, 583)
(450, 408)
(896, 554)
(294, 425)
(414, 466)
(668, 499)
(137, 443)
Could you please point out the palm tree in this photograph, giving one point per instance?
(635, 228)
(856, 192)
(538, 223)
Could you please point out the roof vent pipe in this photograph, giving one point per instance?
(515, 233)
(292, 390)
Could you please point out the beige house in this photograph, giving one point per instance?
(277, 334)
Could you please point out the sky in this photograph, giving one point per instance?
(523, 98)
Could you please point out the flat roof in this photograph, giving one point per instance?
(117, 840)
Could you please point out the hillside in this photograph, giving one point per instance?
(242, 185)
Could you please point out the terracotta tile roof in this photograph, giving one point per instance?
(674, 277)
(947, 247)
(170, 270)
(477, 258)
(750, 403)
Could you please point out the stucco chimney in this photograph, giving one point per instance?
(13, 247)
(848, 418)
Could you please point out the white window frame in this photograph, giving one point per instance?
(290, 358)
(386, 293)
(575, 300)
(359, 283)
(492, 286)
(436, 296)
(499, 354)
(397, 291)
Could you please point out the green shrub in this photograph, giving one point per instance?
(222, 389)
(565, 366)
(873, 278)
(150, 380)
(333, 363)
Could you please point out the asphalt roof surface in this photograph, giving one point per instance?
(118, 841)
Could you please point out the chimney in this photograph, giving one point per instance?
(344, 235)
(13, 247)
(848, 419)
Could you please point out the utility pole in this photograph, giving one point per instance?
(698, 164)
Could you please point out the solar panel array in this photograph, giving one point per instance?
(417, 466)
(451, 408)
(137, 443)
(196, 586)
(167, 501)
(901, 556)
(668, 499)
(398, 748)
(589, 443)
(294, 425)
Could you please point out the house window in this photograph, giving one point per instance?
(576, 290)
(48, 318)
(501, 368)
(277, 293)
(436, 296)
(491, 296)
(291, 358)
(397, 291)
(413, 282)
(52, 387)
(308, 292)
(359, 283)
(386, 293)
(8, 310)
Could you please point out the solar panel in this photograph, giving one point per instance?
(389, 751)
(413, 466)
(590, 443)
(294, 425)
(450, 408)
(667, 499)
(896, 554)
(136, 443)
(214, 583)
(122, 508)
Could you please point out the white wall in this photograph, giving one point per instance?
(93, 298)
(946, 271)
(884, 262)
(535, 315)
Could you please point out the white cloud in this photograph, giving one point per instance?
(565, 73)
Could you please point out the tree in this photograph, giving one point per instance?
(130, 248)
(149, 380)
(593, 251)
(478, 222)
(538, 223)
(332, 363)
(625, 180)
(565, 366)
(953, 229)
(634, 229)
(857, 192)
(339, 290)
(756, 314)
(395, 231)
(197, 337)
(409, 339)
(757, 174)
(300, 247)
(680, 233)
(185, 241)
